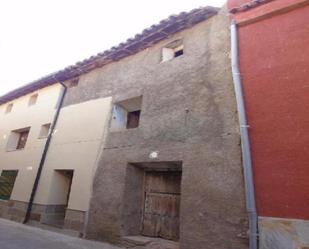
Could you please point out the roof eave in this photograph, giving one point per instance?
(147, 38)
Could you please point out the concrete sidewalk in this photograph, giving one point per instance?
(17, 236)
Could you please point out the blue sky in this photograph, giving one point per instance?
(39, 37)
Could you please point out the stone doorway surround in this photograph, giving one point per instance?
(134, 200)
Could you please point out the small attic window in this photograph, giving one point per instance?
(73, 83)
(33, 99)
(9, 108)
(178, 51)
(172, 50)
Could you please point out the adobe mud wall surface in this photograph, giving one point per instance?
(189, 115)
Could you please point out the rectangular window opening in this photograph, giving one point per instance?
(126, 114)
(178, 52)
(173, 50)
(44, 130)
(33, 99)
(133, 119)
(9, 108)
(18, 139)
(73, 83)
(7, 181)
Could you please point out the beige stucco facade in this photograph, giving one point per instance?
(22, 115)
(75, 146)
(66, 179)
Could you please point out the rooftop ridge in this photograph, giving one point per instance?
(247, 6)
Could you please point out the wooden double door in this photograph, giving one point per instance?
(161, 209)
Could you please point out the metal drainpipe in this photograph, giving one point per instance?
(43, 157)
(245, 145)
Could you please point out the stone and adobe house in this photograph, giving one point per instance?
(273, 41)
(146, 141)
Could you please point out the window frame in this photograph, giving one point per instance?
(22, 139)
(14, 142)
(121, 112)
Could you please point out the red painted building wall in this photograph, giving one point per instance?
(274, 65)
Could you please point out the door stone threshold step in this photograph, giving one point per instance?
(143, 242)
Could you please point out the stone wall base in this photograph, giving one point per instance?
(54, 215)
(277, 233)
(74, 220)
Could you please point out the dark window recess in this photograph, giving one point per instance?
(73, 83)
(44, 131)
(22, 140)
(33, 99)
(178, 53)
(173, 50)
(133, 119)
(9, 108)
(126, 114)
(7, 180)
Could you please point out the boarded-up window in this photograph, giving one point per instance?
(7, 180)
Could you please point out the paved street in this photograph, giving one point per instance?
(17, 236)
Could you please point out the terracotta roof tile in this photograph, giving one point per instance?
(249, 5)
